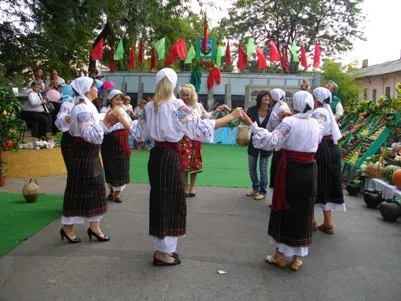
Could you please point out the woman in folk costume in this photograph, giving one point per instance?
(191, 150)
(167, 120)
(279, 111)
(329, 190)
(298, 136)
(260, 114)
(115, 150)
(63, 123)
(85, 196)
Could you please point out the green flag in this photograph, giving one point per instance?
(219, 54)
(119, 54)
(250, 48)
(190, 55)
(294, 52)
(160, 47)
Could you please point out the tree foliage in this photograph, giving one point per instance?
(335, 23)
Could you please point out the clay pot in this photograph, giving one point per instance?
(373, 198)
(390, 211)
(353, 189)
(2, 181)
(31, 191)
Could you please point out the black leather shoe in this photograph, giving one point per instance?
(157, 262)
(99, 238)
(110, 197)
(191, 195)
(118, 200)
(71, 241)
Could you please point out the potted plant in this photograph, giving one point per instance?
(10, 124)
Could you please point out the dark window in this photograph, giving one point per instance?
(374, 94)
(365, 93)
(387, 91)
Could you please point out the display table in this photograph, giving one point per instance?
(226, 135)
(387, 190)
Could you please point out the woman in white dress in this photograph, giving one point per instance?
(167, 120)
(298, 136)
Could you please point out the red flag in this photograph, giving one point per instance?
(97, 50)
(274, 54)
(153, 59)
(214, 76)
(316, 58)
(304, 60)
(112, 65)
(261, 58)
(241, 58)
(228, 55)
(179, 49)
(132, 57)
(205, 36)
(284, 60)
(141, 52)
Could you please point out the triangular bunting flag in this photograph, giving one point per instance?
(284, 60)
(294, 52)
(261, 58)
(190, 55)
(141, 51)
(131, 59)
(178, 49)
(227, 55)
(112, 64)
(250, 48)
(241, 58)
(316, 58)
(274, 54)
(304, 60)
(119, 54)
(153, 60)
(219, 54)
(97, 50)
(160, 47)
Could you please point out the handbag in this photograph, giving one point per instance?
(49, 107)
(243, 135)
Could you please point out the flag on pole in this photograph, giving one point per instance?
(131, 59)
(190, 55)
(316, 57)
(284, 60)
(228, 55)
(250, 48)
(261, 58)
(294, 52)
(97, 50)
(160, 47)
(205, 35)
(112, 64)
(304, 60)
(141, 51)
(219, 54)
(119, 53)
(153, 60)
(241, 58)
(178, 49)
(274, 54)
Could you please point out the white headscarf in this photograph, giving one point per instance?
(82, 85)
(278, 95)
(169, 73)
(113, 93)
(323, 95)
(303, 104)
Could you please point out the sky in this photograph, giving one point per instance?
(383, 19)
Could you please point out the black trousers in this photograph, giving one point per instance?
(57, 107)
(39, 118)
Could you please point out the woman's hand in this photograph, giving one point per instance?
(237, 113)
(110, 118)
(222, 108)
(245, 118)
(67, 119)
(284, 114)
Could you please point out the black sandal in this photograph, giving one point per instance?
(110, 197)
(191, 195)
(158, 262)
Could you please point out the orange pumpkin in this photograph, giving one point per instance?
(397, 178)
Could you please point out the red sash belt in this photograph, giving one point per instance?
(166, 144)
(279, 197)
(123, 140)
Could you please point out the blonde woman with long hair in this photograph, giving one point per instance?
(167, 120)
(191, 150)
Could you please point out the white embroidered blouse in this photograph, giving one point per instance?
(65, 110)
(173, 120)
(274, 118)
(293, 133)
(323, 117)
(85, 122)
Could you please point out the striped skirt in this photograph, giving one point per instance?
(85, 194)
(328, 159)
(116, 156)
(167, 205)
(293, 227)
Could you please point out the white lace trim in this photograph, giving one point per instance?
(331, 207)
(79, 219)
(289, 251)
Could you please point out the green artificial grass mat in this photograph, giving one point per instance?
(20, 220)
(223, 166)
